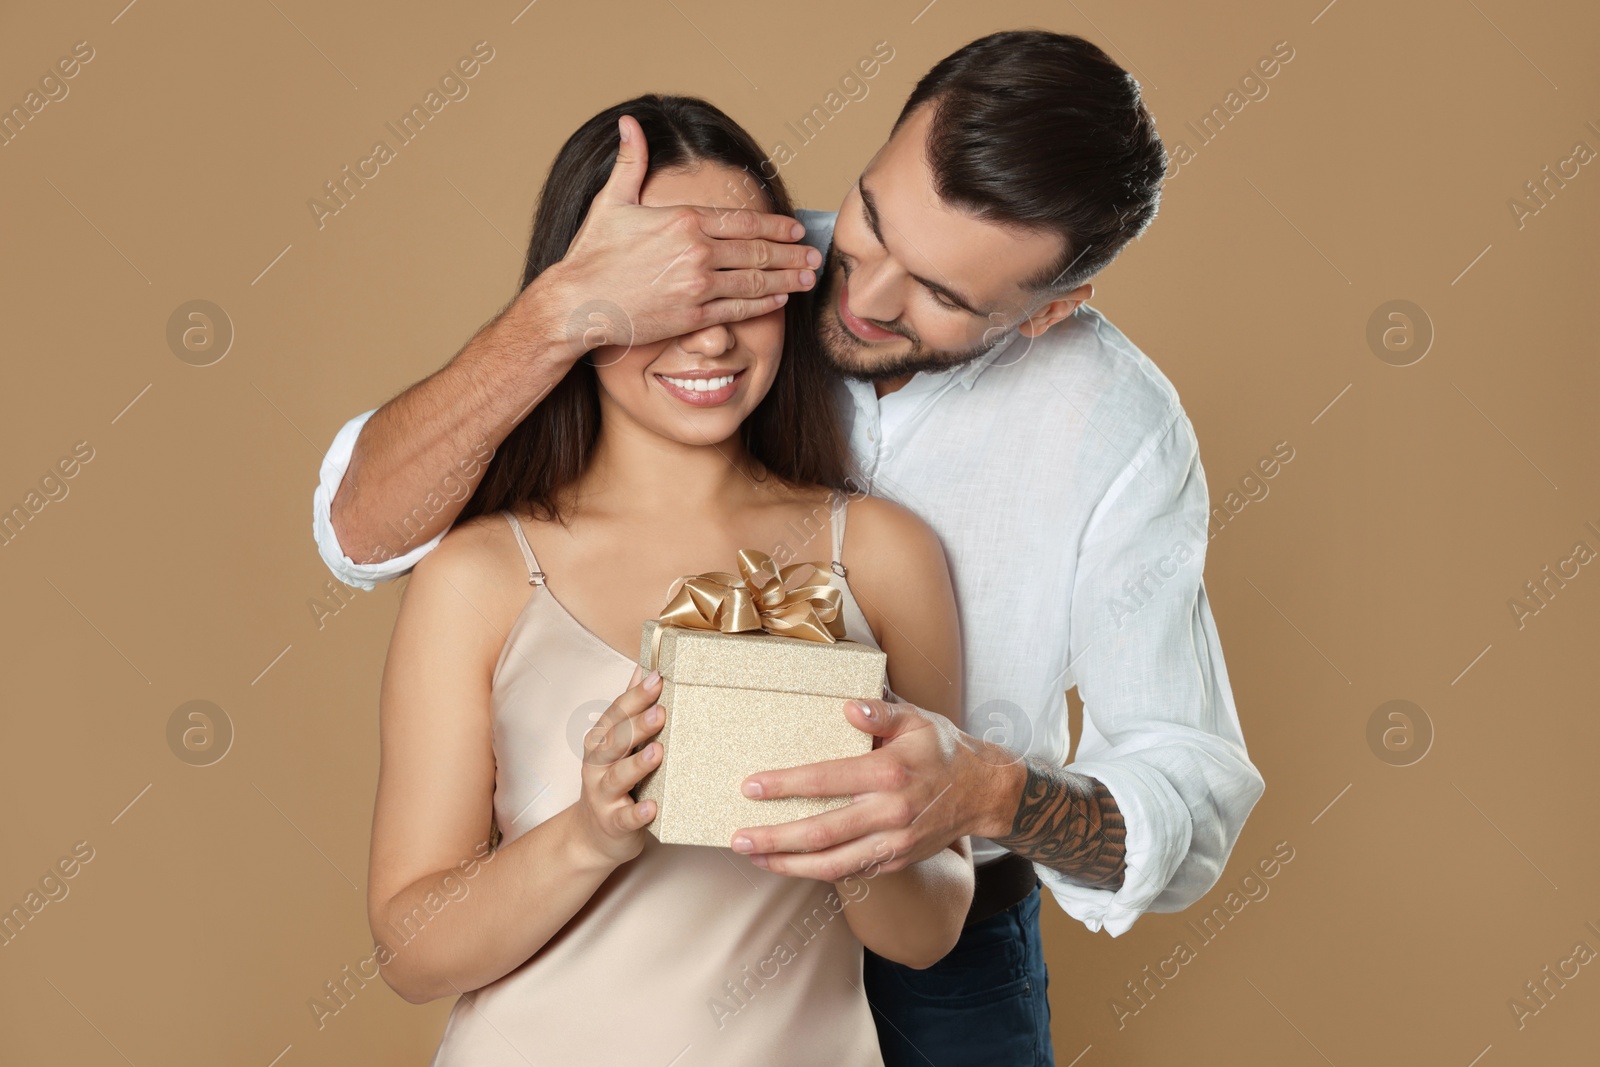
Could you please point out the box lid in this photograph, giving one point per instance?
(759, 660)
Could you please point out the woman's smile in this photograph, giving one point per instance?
(702, 388)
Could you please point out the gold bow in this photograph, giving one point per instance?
(761, 597)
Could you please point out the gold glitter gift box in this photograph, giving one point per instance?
(738, 703)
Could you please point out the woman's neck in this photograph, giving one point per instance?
(635, 469)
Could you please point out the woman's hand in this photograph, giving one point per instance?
(609, 821)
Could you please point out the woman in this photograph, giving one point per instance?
(580, 938)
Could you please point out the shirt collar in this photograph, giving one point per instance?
(1008, 353)
(967, 374)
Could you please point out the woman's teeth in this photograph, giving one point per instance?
(700, 385)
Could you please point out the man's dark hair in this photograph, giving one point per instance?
(1044, 131)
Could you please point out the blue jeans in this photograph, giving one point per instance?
(984, 1003)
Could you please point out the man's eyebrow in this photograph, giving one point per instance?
(870, 207)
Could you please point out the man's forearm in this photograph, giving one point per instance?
(1066, 821)
(421, 455)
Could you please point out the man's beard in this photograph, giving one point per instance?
(851, 357)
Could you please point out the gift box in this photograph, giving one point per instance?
(755, 672)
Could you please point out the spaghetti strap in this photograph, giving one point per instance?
(839, 503)
(535, 575)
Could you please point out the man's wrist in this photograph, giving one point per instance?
(1002, 775)
(532, 340)
(1061, 819)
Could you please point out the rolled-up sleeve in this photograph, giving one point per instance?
(1160, 729)
(347, 570)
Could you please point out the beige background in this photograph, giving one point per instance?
(1380, 166)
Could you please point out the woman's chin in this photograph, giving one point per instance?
(702, 431)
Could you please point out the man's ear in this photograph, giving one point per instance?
(1055, 310)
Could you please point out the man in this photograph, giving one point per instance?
(1051, 456)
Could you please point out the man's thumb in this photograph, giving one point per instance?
(633, 159)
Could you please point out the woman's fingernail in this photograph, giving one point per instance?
(751, 789)
(759, 861)
(743, 844)
(651, 679)
(807, 278)
(654, 715)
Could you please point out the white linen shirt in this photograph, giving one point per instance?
(1063, 479)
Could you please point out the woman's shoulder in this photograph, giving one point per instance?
(878, 524)
(886, 543)
(470, 544)
(474, 558)
(897, 569)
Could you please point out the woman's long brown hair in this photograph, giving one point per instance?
(793, 433)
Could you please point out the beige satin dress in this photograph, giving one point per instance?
(686, 956)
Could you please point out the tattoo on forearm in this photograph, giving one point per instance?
(1070, 823)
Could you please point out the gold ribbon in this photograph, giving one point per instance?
(795, 601)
